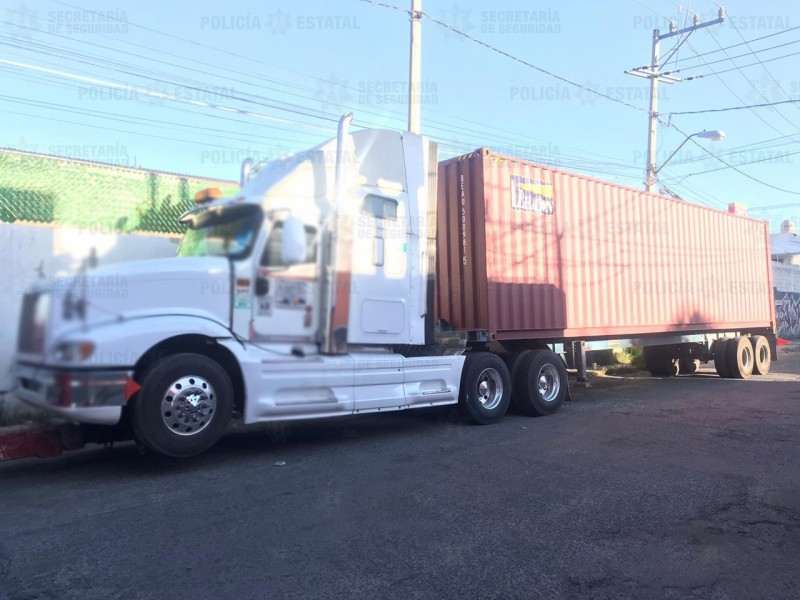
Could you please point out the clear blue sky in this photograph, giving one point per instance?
(297, 65)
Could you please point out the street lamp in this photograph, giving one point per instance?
(714, 135)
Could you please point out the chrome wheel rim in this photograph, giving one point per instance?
(762, 355)
(188, 405)
(747, 358)
(490, 389)
(548, 383)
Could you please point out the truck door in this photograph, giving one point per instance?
(380, 273)
(284, 307)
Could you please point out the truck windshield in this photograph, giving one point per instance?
(221, 231)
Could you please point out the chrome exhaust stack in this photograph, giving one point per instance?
(247, 166)
(335, 265)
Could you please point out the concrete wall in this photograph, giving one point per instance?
(786, 281)
(31, 251)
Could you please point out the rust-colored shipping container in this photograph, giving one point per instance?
(530, 252)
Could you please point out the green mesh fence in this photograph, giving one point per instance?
(101, 198)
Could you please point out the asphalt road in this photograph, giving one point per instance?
(638, 488)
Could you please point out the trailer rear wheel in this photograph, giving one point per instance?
(761, 354)
(688, 366)
(660, 361)
(485, 388)
(541, 383)
(720, 357)
(184, 405)
(514, 361)
(739, 354)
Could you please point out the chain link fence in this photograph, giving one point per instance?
(95, 197)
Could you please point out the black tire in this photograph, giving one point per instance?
(688, 366)
(720, 357)
(762, 355)
(485, 391)
(537, 400)
(184, 405)
(660, 362)
(739, 354)
(513, 362)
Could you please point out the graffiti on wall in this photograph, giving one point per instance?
(787, 312)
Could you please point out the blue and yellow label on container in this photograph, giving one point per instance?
(532, 195)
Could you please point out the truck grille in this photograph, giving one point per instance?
(32, 323)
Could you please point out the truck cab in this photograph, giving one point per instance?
(299, 297)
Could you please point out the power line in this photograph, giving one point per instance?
(206, 46)
(146, 122)
(755, 64)
(763, 37)
(752, 85)
(579, 165)
(727, 164)
(149, 74)
(752, 147)
(658, 14)
(719, 60)
(392, 6)
(729, 108)
(163, 96)
(769, 74)
(430, 124)
(724, 83)
(749, 162)
(682, 8)
(515, 59)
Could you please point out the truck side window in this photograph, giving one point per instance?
(380, 207)
(272, 251)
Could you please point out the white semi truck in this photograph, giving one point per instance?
(308, 294)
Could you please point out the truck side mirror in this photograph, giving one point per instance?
(293, 242)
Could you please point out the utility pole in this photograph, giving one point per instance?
(652, 128)
(415, 67)
(653, 73)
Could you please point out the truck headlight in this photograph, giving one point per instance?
(73, 351)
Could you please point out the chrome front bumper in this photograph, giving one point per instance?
(84, 396)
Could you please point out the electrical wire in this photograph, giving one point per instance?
(206, 46)
(754, 146)
(767, 71)
(658, 14)
(752, 85)
(763, 37)
(730, 166)
(755, 64)
(93, 61)
(730, 89)
(514, 58)
(729, 108)
(719, 60)
(750, 162)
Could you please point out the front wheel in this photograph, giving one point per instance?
(184, 405)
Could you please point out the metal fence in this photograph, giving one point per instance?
(95, 197)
